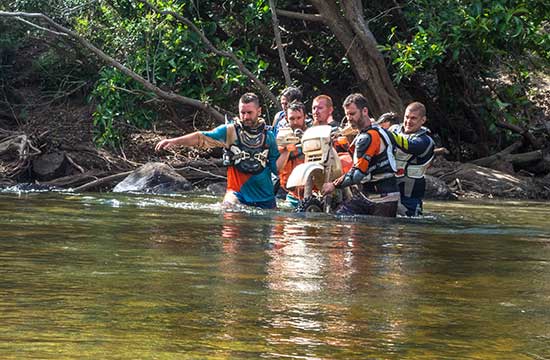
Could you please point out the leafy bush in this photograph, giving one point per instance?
(165, 52)
(116, 104)
(480, 51)
(464, 31)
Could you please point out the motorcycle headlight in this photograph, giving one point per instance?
(311, 145)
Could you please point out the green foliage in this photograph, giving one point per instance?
(8, 46)
(469, 32)
(167, 53)
(480, 51)
(471, 42)
(116, 104)
(410, 57)
(61, 11)
(9, 41)
(60, 71)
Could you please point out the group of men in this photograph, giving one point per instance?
(388, 164)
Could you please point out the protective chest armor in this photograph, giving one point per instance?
(250, 153)
(408, 164)
(381, 165)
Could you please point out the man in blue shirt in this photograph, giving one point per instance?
(289, 95)
(252, 152)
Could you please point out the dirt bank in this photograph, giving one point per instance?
(47, 140)
(66, 130)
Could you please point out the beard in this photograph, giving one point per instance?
(250, 122)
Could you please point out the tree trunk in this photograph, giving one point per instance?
(500, 156)
(278, 41)
(347, 23)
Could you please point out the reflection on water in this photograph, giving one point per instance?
(142, 277)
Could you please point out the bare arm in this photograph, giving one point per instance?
(285, 155)
(192, 139)
(282, 159)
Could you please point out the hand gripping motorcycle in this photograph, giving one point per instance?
(322, 164)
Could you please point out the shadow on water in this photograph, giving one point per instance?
(116, 276)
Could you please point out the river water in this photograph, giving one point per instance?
(110, 276)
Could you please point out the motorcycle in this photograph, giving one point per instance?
(322, 164)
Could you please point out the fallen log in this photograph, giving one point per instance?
(541, 167)
(490, 160)
(520, 159)
(525, 133)
(195, 170)
(525, 158)
(469, 180)
(5, 182)
(102, 181)
(15, 153)
(74, 180)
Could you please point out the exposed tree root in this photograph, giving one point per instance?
(15, 153)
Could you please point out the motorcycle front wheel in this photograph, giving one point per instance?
(311, 204)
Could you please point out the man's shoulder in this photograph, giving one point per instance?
(396, 128)
(217, 129)
(423, 135)
(334, 123)
(270, 134)
(424, 131)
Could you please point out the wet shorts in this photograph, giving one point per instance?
(270, 204)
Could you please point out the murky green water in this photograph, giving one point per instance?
(142, 277)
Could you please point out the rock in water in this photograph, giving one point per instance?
(155, 178)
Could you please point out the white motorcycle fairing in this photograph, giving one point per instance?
(302, 173)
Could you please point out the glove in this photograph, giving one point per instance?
(288, 147)
(291, 147)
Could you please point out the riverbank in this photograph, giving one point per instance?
(62, 156)
(53, 148)
(47, 141)
(50, 144)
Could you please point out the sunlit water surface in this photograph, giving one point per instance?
(106, 276)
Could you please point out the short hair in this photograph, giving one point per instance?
(358, 99)
(392, 117)
(327, 99)
(297, 106)
(292, 94)
(417, 107)
(250, 98)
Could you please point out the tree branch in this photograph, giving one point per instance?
(40, 27)
(279, 43)
(109, 60)
(264, 88)
(300, 16)
(182, 171)
(520, 130)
